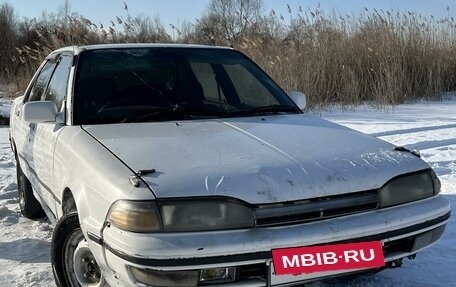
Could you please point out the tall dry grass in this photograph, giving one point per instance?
(384, 57)
(381, 57)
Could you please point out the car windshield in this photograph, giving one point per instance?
(161, 83)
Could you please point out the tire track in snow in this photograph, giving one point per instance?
(413, 130)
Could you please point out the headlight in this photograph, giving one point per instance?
(409, 188)
(180, 216)
(205, 215)
(135, 216)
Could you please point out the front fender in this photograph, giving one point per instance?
(94, 175)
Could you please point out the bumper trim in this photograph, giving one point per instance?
(264, 255)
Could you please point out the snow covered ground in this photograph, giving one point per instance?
(5, 110)
(5, 107)
(5, 102)
(24, 244)
(430, 127)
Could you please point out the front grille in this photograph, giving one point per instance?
(316, 208)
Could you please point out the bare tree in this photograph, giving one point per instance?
(228, 20)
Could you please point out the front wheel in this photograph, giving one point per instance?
(73, 263)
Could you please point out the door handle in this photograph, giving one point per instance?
(18, 112)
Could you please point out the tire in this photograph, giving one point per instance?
(73, 263)
(30, 206)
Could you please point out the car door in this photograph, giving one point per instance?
(46, 134)
(24, 132)
(35, 142)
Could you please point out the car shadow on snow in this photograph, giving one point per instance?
(431, 144)
(26, 250)
(412, 130)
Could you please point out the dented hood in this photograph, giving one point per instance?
(255, 159)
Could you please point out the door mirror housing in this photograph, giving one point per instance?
(40, 112)
(298, 98)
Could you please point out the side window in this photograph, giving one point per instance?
(41, 82)
(57, 88)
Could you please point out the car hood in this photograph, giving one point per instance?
(255, 159)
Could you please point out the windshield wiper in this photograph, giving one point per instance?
(175, 112)
(171, 113)
(267, 110)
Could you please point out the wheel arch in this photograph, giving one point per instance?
(68, 202)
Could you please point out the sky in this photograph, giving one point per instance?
(177, 11)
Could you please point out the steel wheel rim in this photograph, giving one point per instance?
(80, 266)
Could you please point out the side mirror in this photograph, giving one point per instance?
(40, 112)
(298, 98)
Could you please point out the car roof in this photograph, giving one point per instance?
(78, 49)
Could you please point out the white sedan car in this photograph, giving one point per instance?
(179, 165)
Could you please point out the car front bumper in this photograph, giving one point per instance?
(403, 230)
